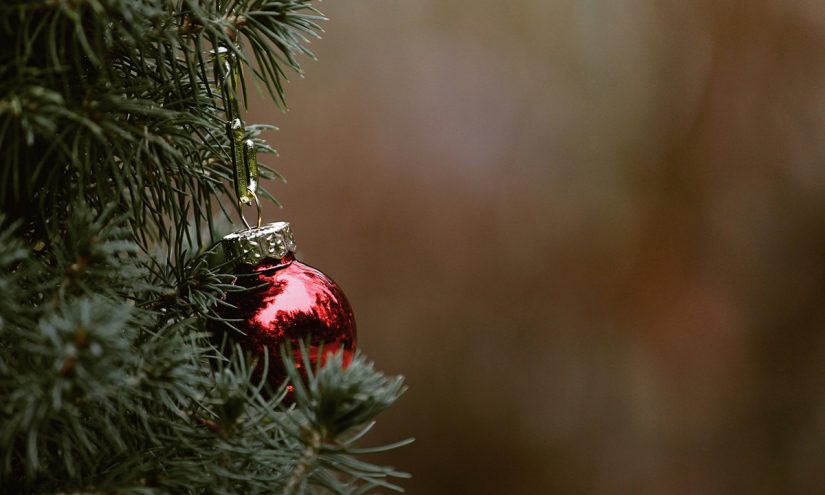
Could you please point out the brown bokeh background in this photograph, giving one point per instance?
(590, 233)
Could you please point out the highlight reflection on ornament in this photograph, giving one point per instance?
(287, 300)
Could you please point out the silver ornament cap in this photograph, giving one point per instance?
(253, 245)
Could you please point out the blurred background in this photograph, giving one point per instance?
(590, 233)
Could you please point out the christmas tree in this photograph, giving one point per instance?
(116, 188)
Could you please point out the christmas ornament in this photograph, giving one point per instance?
(283, 300)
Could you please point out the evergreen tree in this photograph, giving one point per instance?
(115, 166)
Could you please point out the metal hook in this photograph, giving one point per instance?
(242, 151)
(257, 207)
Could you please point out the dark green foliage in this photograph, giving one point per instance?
(112, 161)
(332, 399)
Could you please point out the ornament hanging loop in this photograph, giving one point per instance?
(243, 154)
(257, 209)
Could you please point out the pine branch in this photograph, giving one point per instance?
(138, 91)
(336, 405)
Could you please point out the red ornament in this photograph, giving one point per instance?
(285, 300)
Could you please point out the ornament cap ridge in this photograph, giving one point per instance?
(273, 240)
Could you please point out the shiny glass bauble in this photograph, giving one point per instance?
(286, 300)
